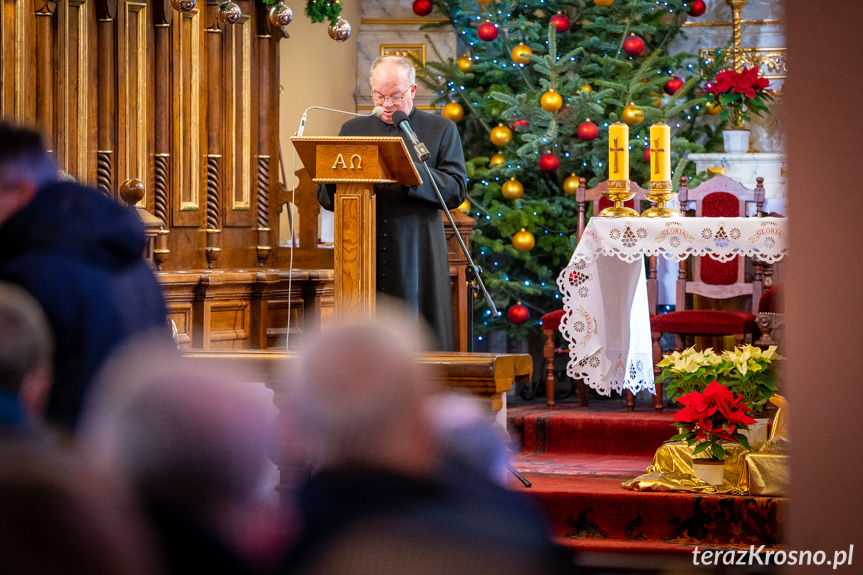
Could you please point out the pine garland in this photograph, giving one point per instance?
(317, 10)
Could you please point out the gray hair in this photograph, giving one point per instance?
(26, 340)
(406, 66)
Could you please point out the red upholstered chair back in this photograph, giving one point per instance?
(721, 197)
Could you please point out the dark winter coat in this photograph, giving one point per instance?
(80, 255)
(412, 259)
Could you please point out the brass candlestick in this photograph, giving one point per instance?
(618, 192)
(660, 192)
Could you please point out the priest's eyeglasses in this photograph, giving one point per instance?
(396, 100)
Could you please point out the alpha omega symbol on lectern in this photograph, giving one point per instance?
(340, 163)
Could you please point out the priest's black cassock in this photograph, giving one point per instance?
(412, 259)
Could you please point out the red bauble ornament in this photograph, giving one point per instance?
(672, 86)
(561, 22)
(520, 125)
(518, 314)
(632, 45)
(587, 131)
(548, 162)
(697, 8)
(487, 31)
(422, 7)
(647, 155)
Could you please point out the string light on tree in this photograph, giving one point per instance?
(520, 52)
(518, 314)
(633, 45)
(487, 31)
(453, 111)
(422, 7)
(500, 135)
(551, 101)
(523, 241)
(561, 22)
(587, 131)
(512, 189)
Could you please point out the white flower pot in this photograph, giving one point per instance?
(710, 472)
(757, 432)
(736, 141)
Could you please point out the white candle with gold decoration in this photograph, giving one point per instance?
(618, 151)
(660, 152)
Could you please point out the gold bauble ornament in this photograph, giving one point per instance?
(570, 185)
(551, 101)
(586, 88)
(501, 135)
(518, 54)
(512, 189)
(523, 241)
(453, 111)
(464, 64)
(464, 207)
(632, 115)
(484, 1)
(712, 108)
(603, 3)
(496, 161)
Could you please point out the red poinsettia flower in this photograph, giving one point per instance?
(712, 416)
(741, 92)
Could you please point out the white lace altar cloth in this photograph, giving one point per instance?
(606, 319)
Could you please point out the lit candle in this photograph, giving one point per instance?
(618, 151)
(660, 152)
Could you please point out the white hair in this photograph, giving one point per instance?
(403, 63)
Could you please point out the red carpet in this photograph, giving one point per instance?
(577, 458)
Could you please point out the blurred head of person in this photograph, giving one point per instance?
(25, 166)
(26, 352)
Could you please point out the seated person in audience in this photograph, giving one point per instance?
(194, 443)
(79, 254)
(59, 516)
(25, 358)
(388, 492)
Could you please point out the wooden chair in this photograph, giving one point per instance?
(718, 197)
(594, 199)
(771, 317)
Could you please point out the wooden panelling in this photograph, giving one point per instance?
(132, 92)
(188, 149)
(240, 178)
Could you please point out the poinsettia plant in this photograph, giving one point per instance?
(740, 93)
(707, 419)
(747, 370)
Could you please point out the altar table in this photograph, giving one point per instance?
(606, 319)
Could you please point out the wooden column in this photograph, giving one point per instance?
(161, 134)
(105, 30)
(214, 143)
(354, 255)
(263, 237)
(45, 75)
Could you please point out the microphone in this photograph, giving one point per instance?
(377, 111)
(400, 119)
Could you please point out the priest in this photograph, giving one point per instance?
(411, 248)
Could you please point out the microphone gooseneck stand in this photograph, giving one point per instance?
(472, 271)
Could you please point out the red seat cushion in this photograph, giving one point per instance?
(552, 319)
(704, 322)
(771, 301)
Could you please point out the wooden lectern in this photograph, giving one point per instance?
(355, 164)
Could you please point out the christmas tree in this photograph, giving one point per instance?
(538, 85)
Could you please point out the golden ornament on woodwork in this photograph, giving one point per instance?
(551, 101)
(501, 135)
(570, 185)
(523, 241)
(712, 108)
(632, 115)
(229, 13)
(184, 5)
(519, 54)
(512, 189)
(603, 3)
(496, 161)
(453, 111)
(464, 64)
(281, 15)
